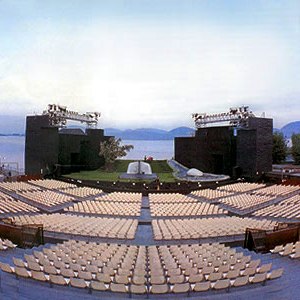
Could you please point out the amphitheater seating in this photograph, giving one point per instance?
(6, 244)
(169, 205)
(142, 269)
(241, 187)
(169, 229)
(131, 269)
(243, 202)
(277, 190)
(211, 195)
(274, 274)
(185, 209)
(18, 186)
(82, 192)
(107, 208)
(121, 197)
(288, 209)
(291, 249)
(251, 196)
(82, 225)
(46, 198)
(170, 198)
(9, 205)
(52, 184)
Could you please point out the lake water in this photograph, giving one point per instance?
(157, 149)
(12, 150)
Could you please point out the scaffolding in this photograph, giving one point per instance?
(59, 115)
(237, 117)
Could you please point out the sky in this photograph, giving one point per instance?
(150, 63)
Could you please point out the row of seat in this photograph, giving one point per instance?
(288, 208)
(46, 197)
(193, 228)
(121, 197)
(82, 192)
(185, 209)
(97, 285)
(210, 194)
(52, 184)
(120, 228)
(6, 244)
(9, 205)
(241, 187)
(141, 269)
(18, 186)
(278, 190)
(189, 264)
(107, 208)
(243, 202)
(170, 198)
(291, 249)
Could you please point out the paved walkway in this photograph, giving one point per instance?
(144, 233)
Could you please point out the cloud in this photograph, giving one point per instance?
(145, 74)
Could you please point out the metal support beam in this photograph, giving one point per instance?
(59, 115)
(236, 117)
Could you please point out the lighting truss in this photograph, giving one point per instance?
(59, 115)
(236, 116)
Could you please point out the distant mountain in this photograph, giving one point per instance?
(182, 131)
(12, 134)
(112, 132)
(15, 125)
(290, 128)
(149, 133)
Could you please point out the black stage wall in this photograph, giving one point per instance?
(236, 152)
(46, 146)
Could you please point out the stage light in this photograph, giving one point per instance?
(236, 117)
(59, 115)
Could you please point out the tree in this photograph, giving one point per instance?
(279, 150)
(296, 148)
(112, 149)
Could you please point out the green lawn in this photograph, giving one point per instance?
(160, 167)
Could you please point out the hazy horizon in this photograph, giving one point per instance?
(16, 125)
(151, 63)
